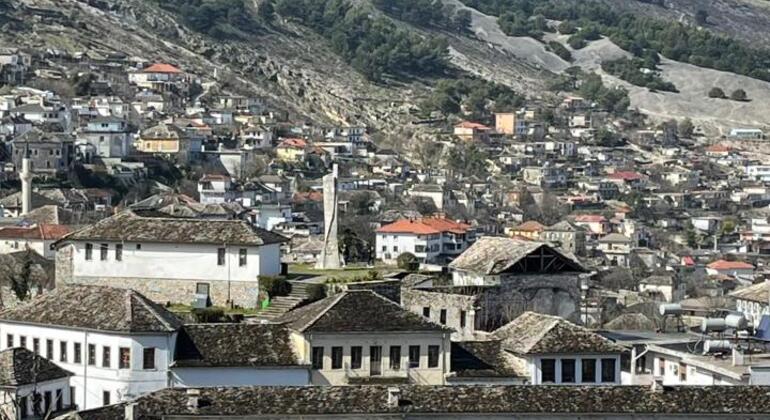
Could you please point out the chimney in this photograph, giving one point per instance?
(193, 399)
(130, 412)
(26, 187)
(394, 395)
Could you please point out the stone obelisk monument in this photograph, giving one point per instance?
(330, 254)
(26, 187)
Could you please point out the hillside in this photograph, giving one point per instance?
(297, 69)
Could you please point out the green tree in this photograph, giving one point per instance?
(738, 95)
(266, 10)
(716, 92)
(566, 28)
(686, 128)
(701, 17)
(22, 282)
(407, 261)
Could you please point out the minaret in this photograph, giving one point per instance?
(330, 254)
(26, 186)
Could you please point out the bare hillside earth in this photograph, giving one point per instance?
(714, 116)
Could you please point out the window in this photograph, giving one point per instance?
(148, 358)
(23, 407)
(682, 372)
(138, 247)
(36, 345)
(105, 397)
(463, 314)
(419, 248)
(662, 367)
(414, 357)
(548, 370)
(336, 357)
(103, 250)
(77, 356)
(49, 349)
(568, 371)
(91, 355)
(9, 340)
(105, 357)
(59, 402)
(588, 370)
(395, 249)
(442, 317)
(220, 256)
(124, 358)
(22, 341)
(375, 360)
(63, 351)
(318, 358)
(46, 401)
(89, 252)
(242, 257)
(119, 252)
(608, 370)
(426, 312)
(432, 356)
(356, 353)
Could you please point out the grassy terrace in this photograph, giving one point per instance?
(297, 271)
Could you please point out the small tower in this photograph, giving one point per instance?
(330, 254)
(26, 186)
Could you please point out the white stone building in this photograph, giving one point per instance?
(429, 239)
(172, 259)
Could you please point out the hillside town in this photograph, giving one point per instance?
(174, 247)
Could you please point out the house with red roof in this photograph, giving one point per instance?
(159, 77)
(38, 238)
(292, 149)
(530, 230)
(628, 179)
(718, 151)
(430, 239)
(731, 268)
(471, 131)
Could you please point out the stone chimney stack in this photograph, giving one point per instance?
(26, 187)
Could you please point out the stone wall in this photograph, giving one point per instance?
(243, 294)
(64, 268)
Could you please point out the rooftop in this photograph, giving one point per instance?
(534, 333)
(425, 226)
(730, 265)
(371, 400)
(496, 255)
(130, 227)
(234, 345)
(19, 366)
(94, 308)
(161, 68)
(356, 311)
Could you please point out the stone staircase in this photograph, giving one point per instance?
(282, 304)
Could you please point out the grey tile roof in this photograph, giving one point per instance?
(356, 311)
(534, 333)
(494, 255)
(474, 359)
(19, 366)
(334, 401)
(234, 345)
(128, 226)
(755, 293)
(95, 308)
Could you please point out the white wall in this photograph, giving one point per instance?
(534, 364)
(177, 261)
(90, 381)
(395, 244)
(208, 377)
(10, 245)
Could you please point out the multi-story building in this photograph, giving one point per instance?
(216, 189)
(49, 153)
(429, 239)
(32, 386)
(359, 337)
(172, 259)
(105, 137)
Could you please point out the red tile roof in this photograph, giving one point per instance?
(37, 232)
(293, 143)
(688, 261)
(626, 176)
(469, 124)
(425, 226)
(529, 226)
(162, 68)
(718, 148)
(590, 218)
(730, 265)
(303, 197)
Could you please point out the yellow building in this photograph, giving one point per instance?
(505, 123)
(163, 138)
(291, 150)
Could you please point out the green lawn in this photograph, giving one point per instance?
(347, 272)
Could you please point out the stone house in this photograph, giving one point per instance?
(31, 385)
(360, 337)
(172, 259)
(49, 153)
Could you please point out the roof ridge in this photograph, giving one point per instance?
(323, 312)
(145, 302)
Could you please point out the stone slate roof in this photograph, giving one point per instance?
(15, 200)
(372, 400)
(130, 227)
(534, 333)
(356, 311)
(19, 366)
(475, 359)
(234, 345)
(755, 293)
(94, 308)
(494, 255)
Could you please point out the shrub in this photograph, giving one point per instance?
(716, 92)
(738, 95)
(407, 261)
(275, 286)
(206, 315)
